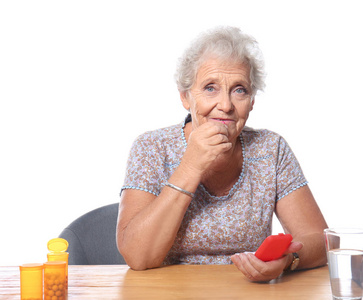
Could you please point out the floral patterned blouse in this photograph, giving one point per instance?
(214, 228)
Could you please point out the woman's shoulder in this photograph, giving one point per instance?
(260, 142)
(259, 134)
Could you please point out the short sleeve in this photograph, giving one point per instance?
(289, 173)
(144, 165)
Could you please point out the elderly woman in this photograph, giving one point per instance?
(204, 191)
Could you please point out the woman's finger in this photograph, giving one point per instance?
(294, 247)
(247, 268)
(237, 259)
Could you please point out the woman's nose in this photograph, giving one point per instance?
(225, 102)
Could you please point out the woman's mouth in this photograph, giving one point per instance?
(224, 121)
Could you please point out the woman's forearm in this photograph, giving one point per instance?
(145, 240)
(313, 253)
(148, 237)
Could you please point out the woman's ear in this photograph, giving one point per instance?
(184, 96)
(252, 103)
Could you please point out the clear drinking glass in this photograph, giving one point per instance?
(344, 248)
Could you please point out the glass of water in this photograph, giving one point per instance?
(344, 248)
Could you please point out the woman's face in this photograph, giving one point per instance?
(221, 93)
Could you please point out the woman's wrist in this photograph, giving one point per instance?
(289, 261)
(294, 261)
(184, 179)
(190, 194)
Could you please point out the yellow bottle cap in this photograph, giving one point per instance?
(57, 245)
(33, 266)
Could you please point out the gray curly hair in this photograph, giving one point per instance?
(226, 43)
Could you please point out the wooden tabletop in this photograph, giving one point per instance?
(178, 282)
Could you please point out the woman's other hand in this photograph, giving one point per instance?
(259, 271)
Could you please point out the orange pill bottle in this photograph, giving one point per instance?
(55, 280)
(31, 281)
(57, 252)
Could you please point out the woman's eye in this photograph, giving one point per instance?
(209, 88)
(241, 90)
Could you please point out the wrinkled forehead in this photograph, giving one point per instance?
(215, 68)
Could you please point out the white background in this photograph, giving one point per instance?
(79, 80)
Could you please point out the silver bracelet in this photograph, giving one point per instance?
(179, 189)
